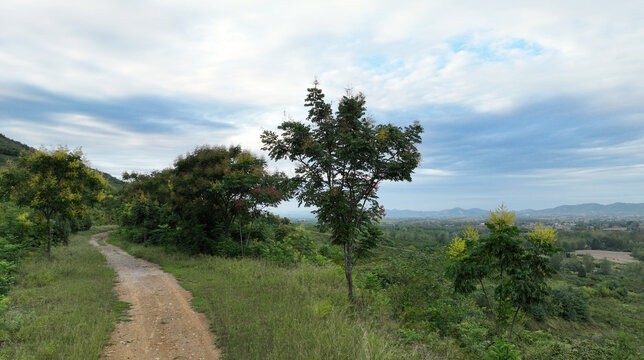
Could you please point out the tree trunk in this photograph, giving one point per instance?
(514, 318)
(489, 303)
(347, 269)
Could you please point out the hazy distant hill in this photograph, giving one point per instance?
(589, 210)
(10, 149)
(577, 211)
(455, 213)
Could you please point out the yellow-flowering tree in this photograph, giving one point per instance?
(54, 183)
(515, 264)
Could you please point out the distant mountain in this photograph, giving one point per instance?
(455, 213)
(588, 210)
(616, 210)
(10, 149)
(577, 211)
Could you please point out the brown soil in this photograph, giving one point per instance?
(616, 256)
(162, 323)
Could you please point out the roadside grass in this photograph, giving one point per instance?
(63, 308)
(259, 310)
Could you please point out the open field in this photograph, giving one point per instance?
(620, 257)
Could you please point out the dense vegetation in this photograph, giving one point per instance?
(10, 149)
(594, 313)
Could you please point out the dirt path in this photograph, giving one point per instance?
(163, 325)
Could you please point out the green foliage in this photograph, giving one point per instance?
(556, 260)
(569, 303)
(573, 264)
(340, 161)
(581, 272)
(589, 263)
(501, 349)
(601, 240)
(19, 225)
(638, 252)
(198, 203)
(605, 267)
(11, 149)
(56, 184)
(517, 264)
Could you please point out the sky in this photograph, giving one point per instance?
(533, 104)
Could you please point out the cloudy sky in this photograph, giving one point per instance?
(534, 105)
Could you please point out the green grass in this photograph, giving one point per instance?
(261, 311)
(63, 308)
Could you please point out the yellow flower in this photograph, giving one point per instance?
(502, 217)
(542, 234)
(456, 247)
(470, 233)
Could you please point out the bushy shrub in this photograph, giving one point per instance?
(605, 267)
(282, 253)
(568, 349)
(501, 349)
(581, 272)
(569, 303)
(9, 252)
(573, 264)
(6, 275)
(556, 260)
(589, 263)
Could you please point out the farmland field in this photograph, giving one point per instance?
(620, 257)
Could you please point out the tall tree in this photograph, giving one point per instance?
(54, 183)
(214, 186)
(340, 161)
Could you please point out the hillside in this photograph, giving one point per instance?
(589, 210)
(10, 149)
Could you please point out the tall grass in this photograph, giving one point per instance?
(63, 308)
(261, 311)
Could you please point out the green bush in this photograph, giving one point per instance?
(605, 267)
(569, 303)
(501, 349)
(6, 275)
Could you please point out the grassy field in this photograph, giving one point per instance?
(261, 311)
(63, 308)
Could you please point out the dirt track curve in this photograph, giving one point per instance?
(163, 325)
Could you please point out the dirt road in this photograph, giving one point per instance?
(163, 325)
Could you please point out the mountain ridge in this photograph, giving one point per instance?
(617, 209)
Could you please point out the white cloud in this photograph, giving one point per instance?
(433, 172)
(267, 53)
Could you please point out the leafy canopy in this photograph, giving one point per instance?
(54, 183)
(340, 161)
(516, 264)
